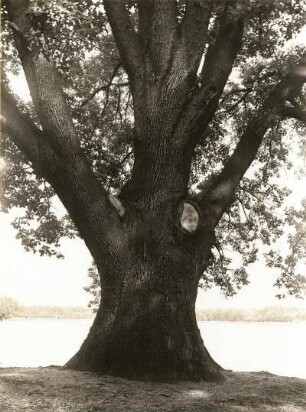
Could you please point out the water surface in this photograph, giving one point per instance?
(276, 347)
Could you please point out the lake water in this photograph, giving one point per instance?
(276, 347)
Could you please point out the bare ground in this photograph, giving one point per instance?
(55, 390)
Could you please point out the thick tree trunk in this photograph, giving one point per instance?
(146, 327)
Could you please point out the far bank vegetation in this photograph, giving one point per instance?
(11, 308)
(267, 314)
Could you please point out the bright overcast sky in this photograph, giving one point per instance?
(47, 281)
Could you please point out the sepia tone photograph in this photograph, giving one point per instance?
(153, 206)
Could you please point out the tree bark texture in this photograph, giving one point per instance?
(146, 327)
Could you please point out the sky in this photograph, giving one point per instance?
(35, 280)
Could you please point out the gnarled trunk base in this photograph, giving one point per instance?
(146, 327)
(149, 338)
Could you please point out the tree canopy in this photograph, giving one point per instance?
(76, 36)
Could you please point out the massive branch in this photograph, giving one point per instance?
(43, 81)
(222, 191)
(20, 128)
(127, 40)
(194, 29)
(77, 187)
(298, 113)
(160, 33)
(218, 64)
(55, 150)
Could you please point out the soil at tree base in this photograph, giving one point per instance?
(53, 389)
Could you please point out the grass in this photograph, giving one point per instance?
(55, 390)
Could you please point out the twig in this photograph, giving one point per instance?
(106, 86)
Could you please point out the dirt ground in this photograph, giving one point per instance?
(54, 390)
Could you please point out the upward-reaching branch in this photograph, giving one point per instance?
(55, 151)
(20, 128)
(43, 81)
(127, 39)
(221, 54)
(218, 64)
(222, 191)
(194, 29)
(145, 13)
(158, 29)
(77, 187)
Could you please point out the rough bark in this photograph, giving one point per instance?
(146, 326)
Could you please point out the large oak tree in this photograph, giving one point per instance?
(138, 128)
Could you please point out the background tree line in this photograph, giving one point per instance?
(11, 308)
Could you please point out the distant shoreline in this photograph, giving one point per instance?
(199, 320)
(267, 314)
(17, 318)
(12, 309)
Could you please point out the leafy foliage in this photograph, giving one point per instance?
(93, 288)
